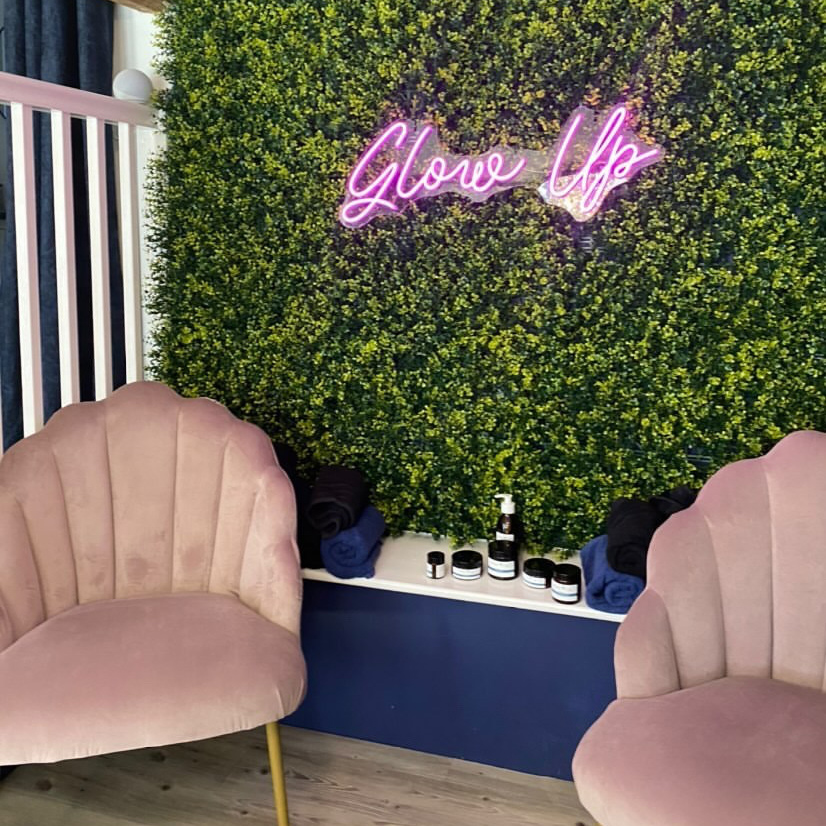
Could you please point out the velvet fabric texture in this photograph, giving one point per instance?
(143, 671)
(738, 751)
(144, 495)
(721, 711)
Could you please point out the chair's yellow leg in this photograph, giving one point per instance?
(277, 772)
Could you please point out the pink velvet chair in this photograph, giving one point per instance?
(720, 664)
(150, 587)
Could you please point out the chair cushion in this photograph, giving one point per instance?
(739, 751)
(146, 671)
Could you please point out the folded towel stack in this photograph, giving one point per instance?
(353, 552)
(309, 539)
(629, 528)
(605, 588)
(338, 499)
(631, 525)
(335, 528)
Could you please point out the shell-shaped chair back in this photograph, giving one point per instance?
(742, 573)
(144, 493)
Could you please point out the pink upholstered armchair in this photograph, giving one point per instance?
(150, 588)
(720, 664)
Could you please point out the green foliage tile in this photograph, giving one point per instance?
(459, 349)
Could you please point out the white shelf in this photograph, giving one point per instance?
(401, 567)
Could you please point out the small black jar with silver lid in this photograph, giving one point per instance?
(503, 562)
(566, 585)
(435, 564)
(537, 572)
(466, 565)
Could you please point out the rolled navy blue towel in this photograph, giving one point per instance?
(605, 588)
(352, 552)
(337, 501)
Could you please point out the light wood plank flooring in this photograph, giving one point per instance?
(331, 781)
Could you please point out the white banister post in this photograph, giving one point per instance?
(151, 143)
(64, 233)
(28, 290)
(137, 129)
(99, 247)
(130, 252)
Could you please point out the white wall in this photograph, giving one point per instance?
(134, 46)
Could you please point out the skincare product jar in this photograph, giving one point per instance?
(466, 565)
(435, 564)
(537, 572)
(566, 584)
(502, 560)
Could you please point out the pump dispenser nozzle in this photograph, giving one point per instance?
(507, 502)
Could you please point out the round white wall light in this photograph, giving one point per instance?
(132, 85)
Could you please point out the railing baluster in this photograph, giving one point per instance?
(64, 230)
(28, 291)
(130, 251)
(99, 237)
(136, 130)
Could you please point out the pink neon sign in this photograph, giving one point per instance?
(404, 163)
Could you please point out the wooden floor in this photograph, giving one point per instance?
(330, 780)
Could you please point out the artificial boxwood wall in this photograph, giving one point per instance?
(463, 349)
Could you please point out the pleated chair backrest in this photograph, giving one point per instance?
(742, 572)
(144, 493)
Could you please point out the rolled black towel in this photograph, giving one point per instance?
(308, 538)
(287, 458)
(338, 500)
(674, 500)
(630, 526)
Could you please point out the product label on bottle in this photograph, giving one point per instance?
(467, 573)
(435, 571)
(565, 592)
(502, 567)
(534, 581)
(505, 537)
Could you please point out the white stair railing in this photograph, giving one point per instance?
(135, 135)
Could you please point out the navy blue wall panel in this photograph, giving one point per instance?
(502, 686)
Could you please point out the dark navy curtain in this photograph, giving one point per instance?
(68, 42)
